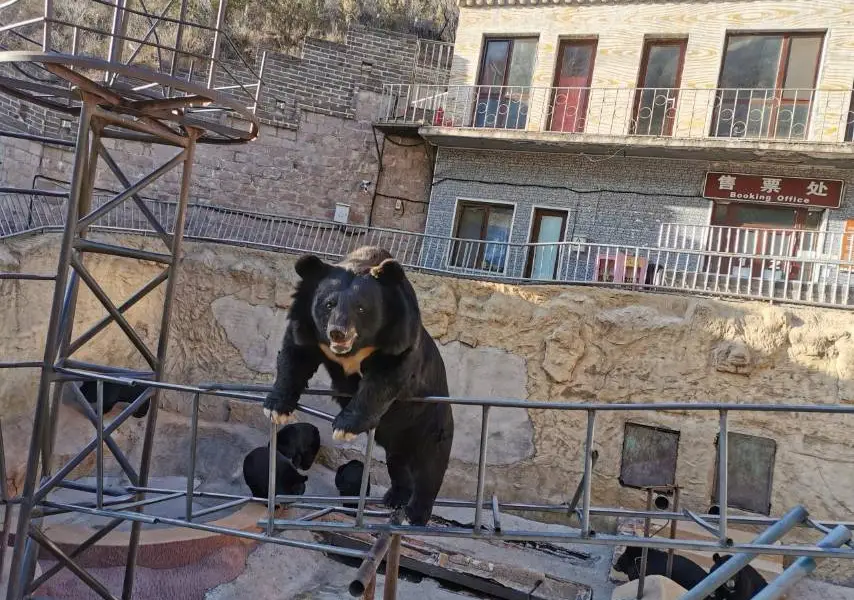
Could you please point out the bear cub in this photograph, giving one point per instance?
(299, 442)
(360, 319)
(113, 394)
(348, 480)
(256, 470)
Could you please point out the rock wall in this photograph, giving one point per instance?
(546, 343)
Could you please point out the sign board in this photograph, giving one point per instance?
(766, 189)
(342, 213)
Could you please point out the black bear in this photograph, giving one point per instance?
(113, 394)
(348, 480)
(256, 474)
(743, 586)
(685, 572)
(299, 442)
(360, 319)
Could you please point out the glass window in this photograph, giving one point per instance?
(661, 70)
(504, 84)
(572, 80)
(483, 231)
(548, 228)
(767, 85)
(649, 456)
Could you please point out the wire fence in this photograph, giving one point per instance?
(773, 271)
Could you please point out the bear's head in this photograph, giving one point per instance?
(351, 311)
(742, 586)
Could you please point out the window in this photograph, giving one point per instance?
(750, 472)
(849, 120)
(548, 227)
(573, 75)
(660, 76)
(482, 232)
(649, 456)
(504, 84)
(767, 85)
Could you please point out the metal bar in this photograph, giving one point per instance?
(179, 37)
(78, 550)
(570, 509)
(271, 476)
(99, 460)
(220, 507)
(130, 191)
(191, 467)
(27, 276)
(95, 585)
(673, 525)
(366, 477)
(702, 522)
(37, 138)
(368, 569)
(220, 18)
(40, 420)
(165, 322)
(122, 252)
(118, 317)
(117, 34)
(46, 33)
(481, 469)
(738, 561)
(392, 567)
(103, 323)
(496, 514)
(723, 477)
(644, 551)
(26, 364)
(4, 496)
(260, 81)
(588, 474)
(142, 127)
(802, 567)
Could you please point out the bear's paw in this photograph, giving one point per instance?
(339, 435)
(279, 418)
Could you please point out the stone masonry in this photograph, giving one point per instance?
(317, 144)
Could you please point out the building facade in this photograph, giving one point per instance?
(675, 143)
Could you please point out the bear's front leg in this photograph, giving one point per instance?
(295, 365)
(376, 393)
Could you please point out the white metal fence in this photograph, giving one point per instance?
(680, 263)
(787, 115)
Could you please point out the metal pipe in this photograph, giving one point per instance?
(644, 551)
(40, 420)
(95, 585)
(191, 467)
(673, 525)
(271, 477)
(163, 342)
(368, 569)
(220, 507)
(366, 477)
(570, 509)
(4, 496)
(122, 252)
(220, 17)
(392, 568)
(496, 514)
(802, 567)
(99, 456)
(481, 469)
(117, 35)
(179, 36)
(737, 562)
(588, 474)
(48, 18)
(26, 277)
(723, 477)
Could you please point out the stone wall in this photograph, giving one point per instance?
(317, 143)
(555, 343)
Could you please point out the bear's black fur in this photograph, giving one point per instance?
(360, 319)
(348, 480)
(113, 394)
(685, 572)
(300, 442)
(256, 474)
(745, 585)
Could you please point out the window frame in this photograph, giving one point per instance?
(461, 202)
(648, 44)
(658, 428)
(534, 228)
(581, 109)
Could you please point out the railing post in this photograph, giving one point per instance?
(723, 477)
(588, 474)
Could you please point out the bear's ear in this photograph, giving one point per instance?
(716, 558)
(388, 271)
(310, 267)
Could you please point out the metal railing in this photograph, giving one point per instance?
(768, 115)
(432, 62)
(725, 264)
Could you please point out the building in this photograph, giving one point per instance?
(683, 144)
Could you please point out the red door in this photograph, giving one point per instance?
(573, 75)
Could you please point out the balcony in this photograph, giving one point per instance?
(797, 125)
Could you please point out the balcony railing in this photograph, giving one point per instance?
(766, 115)
(679, 263)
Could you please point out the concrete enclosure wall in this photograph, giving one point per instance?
(545, 343)
(317, 143)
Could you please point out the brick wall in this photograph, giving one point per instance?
(637, 194)
(316, 144)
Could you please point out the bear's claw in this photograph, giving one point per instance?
(279, 418)
(339, 435)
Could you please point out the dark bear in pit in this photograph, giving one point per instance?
(360, 319)
(348, 480)
(256, 474)
(299, 442)
(743, 586)
(685, 572)
(113, 394)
